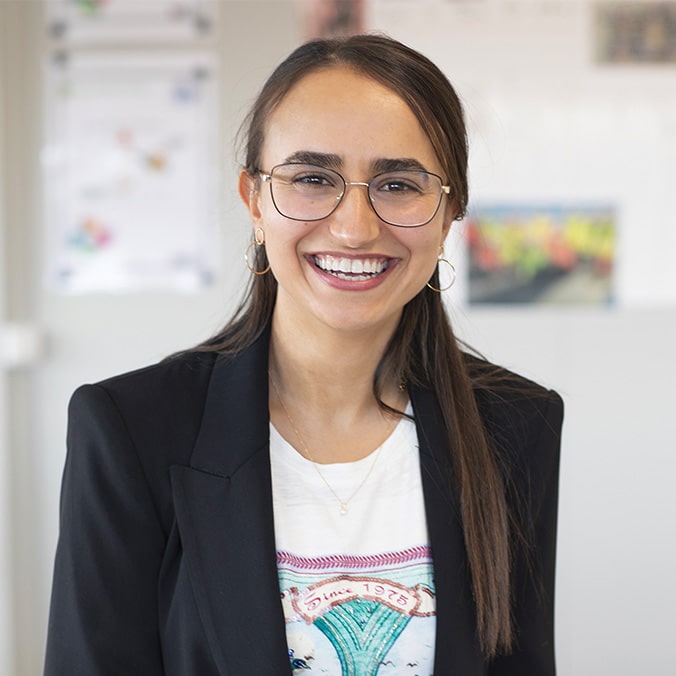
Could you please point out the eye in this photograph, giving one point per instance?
(396, 186)
(315, 178)
(309, 177)
(402, 183)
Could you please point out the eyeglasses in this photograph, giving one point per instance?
(305, 192)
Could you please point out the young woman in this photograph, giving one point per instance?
(329, 484)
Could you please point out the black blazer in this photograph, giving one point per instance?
(166, 557)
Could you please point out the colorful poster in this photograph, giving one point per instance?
(130, 173)
(541, 254)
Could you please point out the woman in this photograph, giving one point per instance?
(329, 484)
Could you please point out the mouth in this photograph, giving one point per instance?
(351, 269)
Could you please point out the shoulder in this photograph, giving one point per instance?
(126, 431)
(177, 382)
(522, 418)
(503, 395)
(156, 406)
(175, 377)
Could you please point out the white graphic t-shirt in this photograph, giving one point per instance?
(357, 587)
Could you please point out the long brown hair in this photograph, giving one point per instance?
(423, 350)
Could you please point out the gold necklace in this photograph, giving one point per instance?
(306, 452)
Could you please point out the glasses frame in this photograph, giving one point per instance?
(268, 176)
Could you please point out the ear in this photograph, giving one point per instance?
(248, 191)
(450, 212)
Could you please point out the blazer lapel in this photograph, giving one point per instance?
(224, 511)
(456, 650)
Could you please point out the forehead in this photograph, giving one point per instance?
(339, 111)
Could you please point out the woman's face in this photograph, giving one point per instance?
(350, 271)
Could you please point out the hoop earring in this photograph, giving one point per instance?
(259, 240)
(441, 259)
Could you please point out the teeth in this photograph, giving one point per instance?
(351, 268)
(353, 277)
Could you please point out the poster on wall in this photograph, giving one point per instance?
(125, 21)
(636, 32)
(541, 254)
(130, 173)
(331, 18)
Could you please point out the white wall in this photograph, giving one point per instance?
(528, 85)
(6, 628)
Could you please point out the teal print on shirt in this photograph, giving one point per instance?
(360, 616)
(362, 633)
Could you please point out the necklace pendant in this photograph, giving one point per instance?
(343, 509)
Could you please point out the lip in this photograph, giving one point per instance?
(351, 272)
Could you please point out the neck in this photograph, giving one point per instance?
(326, 366)
(325, 380)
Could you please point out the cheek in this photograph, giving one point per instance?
(281, 242)
(425, 256)
(430, 264)
(266, 206)
(425, 246)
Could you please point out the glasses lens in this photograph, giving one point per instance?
(406, 198)
(305, 192)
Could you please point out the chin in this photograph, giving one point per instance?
(364, 321)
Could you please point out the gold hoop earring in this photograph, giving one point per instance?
(441, 259)
(259, 240)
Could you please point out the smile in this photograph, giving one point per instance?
(352, 269)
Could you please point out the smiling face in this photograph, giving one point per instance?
(349, 271)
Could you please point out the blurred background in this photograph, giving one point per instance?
(121, 240)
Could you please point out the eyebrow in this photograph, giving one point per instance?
(332, 161)
(328, 160)
(396, 164)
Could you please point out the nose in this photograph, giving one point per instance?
(354, 223)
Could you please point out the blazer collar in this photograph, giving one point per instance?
(235, 411)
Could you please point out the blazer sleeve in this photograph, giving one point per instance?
(103, 615)
(533, 651)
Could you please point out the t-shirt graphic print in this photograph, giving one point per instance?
(359, 615)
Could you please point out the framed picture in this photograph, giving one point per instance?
(636, 32)
(530, 254)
